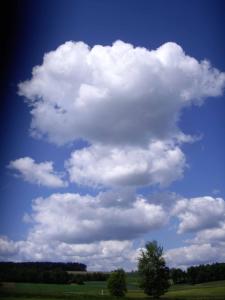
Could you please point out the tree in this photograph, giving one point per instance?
(117, 283)
(153, 271)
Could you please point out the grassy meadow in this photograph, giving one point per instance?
(98, 290)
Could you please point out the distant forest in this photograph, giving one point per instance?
(199, 274)
(48, 272)
(43, 266)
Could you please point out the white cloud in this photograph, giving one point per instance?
(116, 94)
(194, 255)
(125, 102)
(97, 231)
(199, 213)
(7, 248)
(100, 230)
(212, 235)
(206, 217)
(103, 255)
(37, 173)
(72, 218)
(159, 163)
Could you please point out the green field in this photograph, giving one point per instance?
(94, 291)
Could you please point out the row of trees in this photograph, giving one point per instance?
(49, 276)
(42, 266)
(53, 276)
(199, 274)
(48, 272)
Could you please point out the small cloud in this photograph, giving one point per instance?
(37, 173)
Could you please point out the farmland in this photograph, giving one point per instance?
(98, 290)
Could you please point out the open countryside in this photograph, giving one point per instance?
(152, 279)
(98, 290)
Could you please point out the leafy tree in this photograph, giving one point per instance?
(117, 283)
(153, 271)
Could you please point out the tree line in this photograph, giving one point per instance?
(48, 272)
(199, 274)
(43, 266)
(38, 272)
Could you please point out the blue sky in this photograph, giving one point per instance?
(120, 149)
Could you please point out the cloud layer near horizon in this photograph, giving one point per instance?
(90, 225)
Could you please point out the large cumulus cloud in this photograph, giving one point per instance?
(115, 94)
(125, 101)
(86, 219)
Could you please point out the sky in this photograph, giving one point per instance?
(112, 131)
